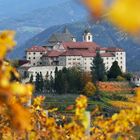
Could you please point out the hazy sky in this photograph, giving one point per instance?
(17, 7)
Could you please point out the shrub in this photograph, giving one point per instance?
(120, 78)
(89, 89)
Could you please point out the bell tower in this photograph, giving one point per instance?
(87, 36)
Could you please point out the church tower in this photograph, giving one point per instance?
(66, 32)
(87, 36)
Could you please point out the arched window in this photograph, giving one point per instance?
(88, 37)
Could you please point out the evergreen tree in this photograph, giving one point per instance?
(47, 82)
(56, 78)
(51, 83)
(31, 79)
(98, 69)
(68, 81)
(41, 82)
(59, 82)
(114, 71)
(65, 80)
(46, 76)
(37, 82)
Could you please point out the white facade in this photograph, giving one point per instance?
(45, 70)
(135, 81)
(120, 57)
(34, 54)
(86, 62)
(72, 61)
(80, 61)
(87, 37)
(34, 58)
(108, 61)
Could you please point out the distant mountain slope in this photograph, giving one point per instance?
(35, 20)
(18, 7)
(103, 34)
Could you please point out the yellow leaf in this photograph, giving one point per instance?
(96, 7)
(125, 14)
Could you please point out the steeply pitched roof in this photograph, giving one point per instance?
(60, 37)
(65, 36)
(66, 31)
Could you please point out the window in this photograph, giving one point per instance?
(74, 58)
(34, 64)
(40, 63)
(29, 53)
(29, 58)
(89, 38)
(69, 58)
(107, 58)
(41, 53)
(121, 57)
(34, 53)
(33, 57)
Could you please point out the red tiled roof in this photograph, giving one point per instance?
(83, 53)
(53, 53)
(88, 54)
(107, 55)
(71, 53)
(114, 49)
(36, 49)
(79, 53)
(80, 45)
(102, 49)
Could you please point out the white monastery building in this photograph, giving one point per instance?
(63, 50)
